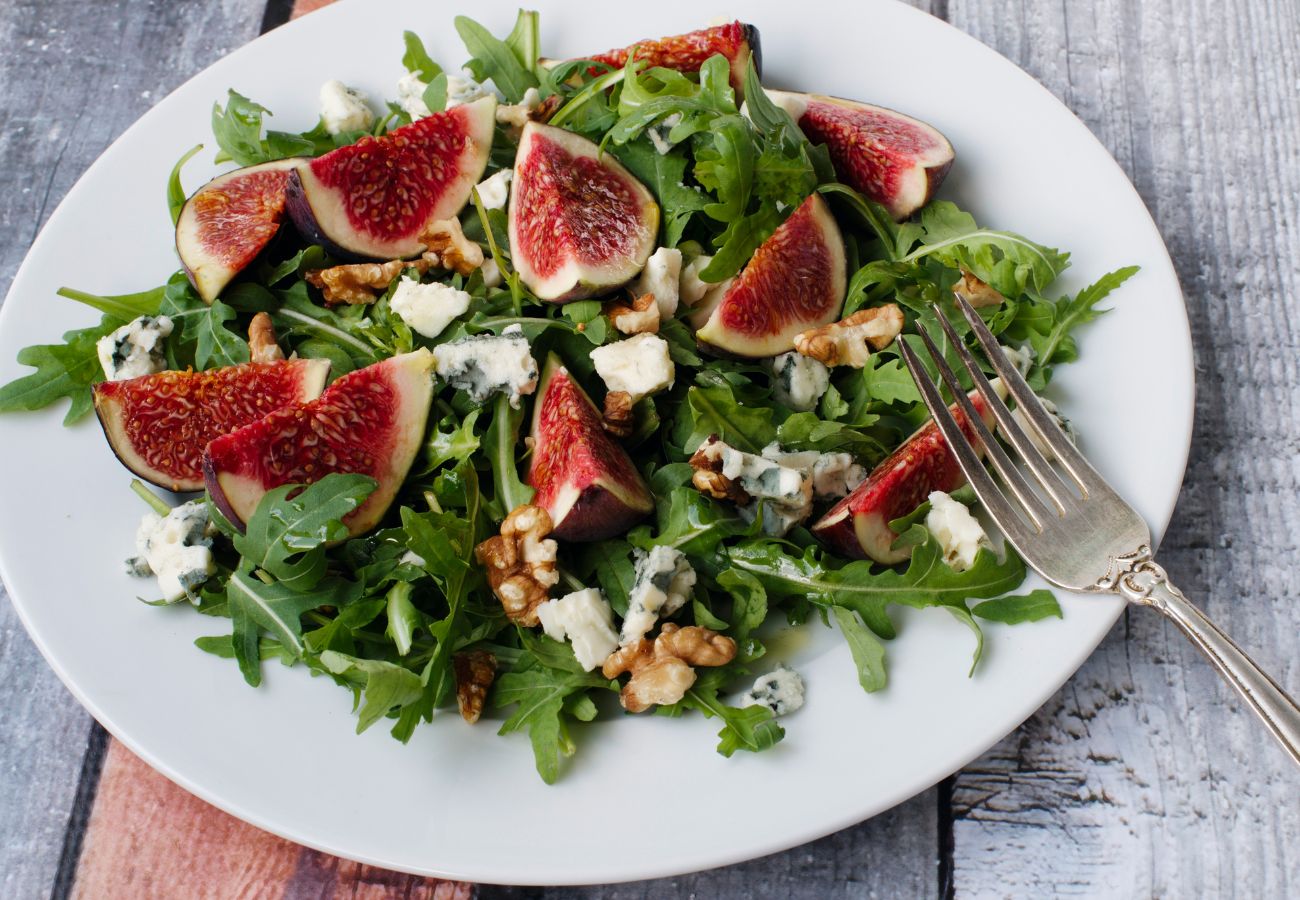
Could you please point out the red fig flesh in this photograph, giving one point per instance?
(582, 477)
(795, 281)
(229, 221)
(374, 199)
(737, 41)
(858, 526)
(369, 422)
(159, 424)
(580, 223)
(894, 159)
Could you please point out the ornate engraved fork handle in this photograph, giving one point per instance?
(1139, 579)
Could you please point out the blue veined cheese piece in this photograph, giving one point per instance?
(344, 109)
(783, 494)
(663, 583)
(176, 549)
(428, 308)
(958, 532)
(489, 364)
(781, 690)
(639, 365)
(798, 381)
(662, 277)
(135, 349)
(585, 619)
(834, 475)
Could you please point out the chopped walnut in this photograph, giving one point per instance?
(520, 563)
(708, 478)
(640, 318)
(262, 345)
(662, 670)
(849, 342)
(618, 413)
(448, 241)
(363, 282)
(977, 293)
(474, 671)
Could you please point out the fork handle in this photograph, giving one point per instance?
(1262, 694)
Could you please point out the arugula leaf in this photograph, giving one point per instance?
(416, 59)
(403, 617)
(287, 533)
(384, 684)
(867, 651)
(749, 601)
(457, 442)
(494, 59)
(665, 175)
(540, 693)
(1032, 607)
(500, 442)
(121, 306)
(204, 335)
(690, 522)
(175, 190)
(714, 409)
(62, 370)
(238, 129)
(1057, 344)
(751, 728)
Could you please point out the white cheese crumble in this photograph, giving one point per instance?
(428, 308)
(663, 584)
(491, 273)
(410, 95)
(957, 531)
(834, 475)
(488, 364)
(658, 134)
(1020, 357)
(494, 191)
(344, 109)
(461, 90)
(691, 288)
(781, 690)
(585, 619)
(639, 365)
(135, 349)
(661, 277)
(177, 549)
(517, 114)
(411, 558)
(1023, 421)
(798, 381)
(783, 493)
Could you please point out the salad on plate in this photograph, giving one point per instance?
(558, 387)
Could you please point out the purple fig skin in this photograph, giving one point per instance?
(305, 221)
(596, 515)
(218, 496)
(755, 48)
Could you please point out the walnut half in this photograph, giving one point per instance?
(642, 317)
(662, 670)
(448, 241)
(977, 293)
(618, 413)
(708, 478)
(474, 671)
(520, 563)
(363, 282)
(262, 345)
(849, 342)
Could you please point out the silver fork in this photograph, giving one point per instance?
(1069, 524)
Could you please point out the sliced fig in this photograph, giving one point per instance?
(795, 281)
(894, 159)
(159, 424)
(369, 422)
(580, 223)
(858, 526)
(737, 41)
(229, 221)
(583, 478)
(375, 198)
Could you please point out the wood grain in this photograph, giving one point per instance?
(1143, 776)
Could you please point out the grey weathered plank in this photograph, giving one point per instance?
(75, 74)
(1143, 776)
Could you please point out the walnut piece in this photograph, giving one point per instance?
(662, 670)
(520, 563)
(708, 478)
(977, 293)
(448, 241)
(474, 671)
(849, 342)
(642, 317)
(618, 413)
(363, 282)
(262, 345)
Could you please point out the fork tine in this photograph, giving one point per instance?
(1011, 476)
(1084, 475)
(990, 495)
(1050, 481)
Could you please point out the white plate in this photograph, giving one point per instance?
(462, 802)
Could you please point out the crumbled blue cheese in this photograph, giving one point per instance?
(1066, 425)
(491, 273)
(428, 308)
(410, 95)
(494, 190)
(662, 586)
(658, 134)
(958, 532)
(798, 381)
(662, 276)
(781, 690)
(833, 475)
(135, 349)
(1020, 357)
(585, 619)
(344, 109)
(488, 364)
(518, 114)
(411, 558)
(463, 89)
(177, 549)
(783, 493)
(639, 365)
(691, 288)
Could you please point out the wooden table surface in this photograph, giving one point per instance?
(1142, 777)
